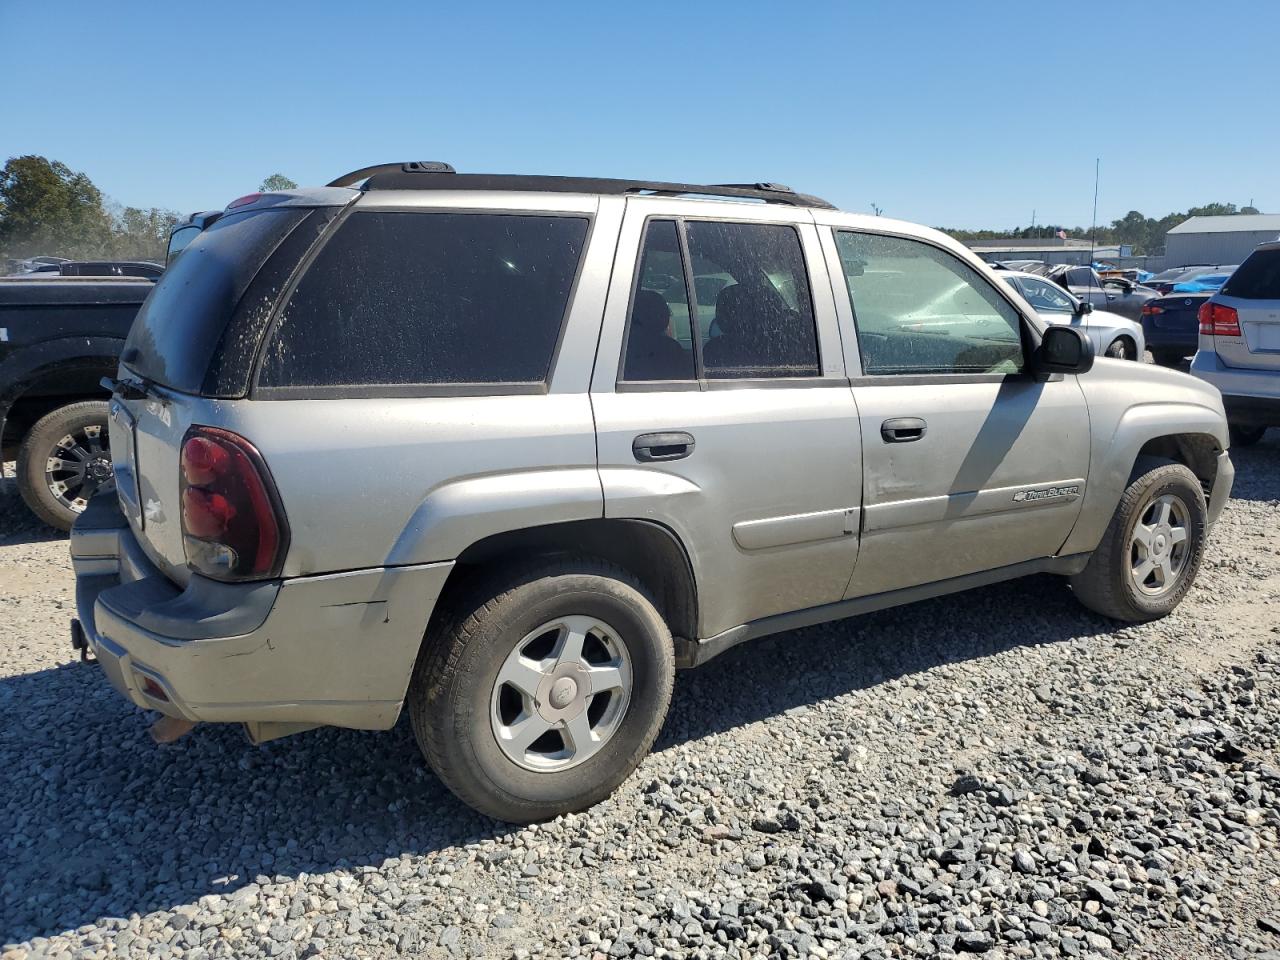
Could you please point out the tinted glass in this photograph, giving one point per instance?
(1081, 278)
(1258, 278)
(754, 311)
(180, 324)
(921, 310)
(429, 298)
(659, 335)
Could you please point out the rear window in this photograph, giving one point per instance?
(182, 321)
(415, 300)
(1258, 278)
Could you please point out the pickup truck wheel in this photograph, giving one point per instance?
(544, 689)
(1151, 551)
(64, 460)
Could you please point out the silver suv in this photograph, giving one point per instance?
(1239, 347)
(510, 450)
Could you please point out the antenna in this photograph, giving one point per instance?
(1093, 227)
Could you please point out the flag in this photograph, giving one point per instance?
(1062, 234)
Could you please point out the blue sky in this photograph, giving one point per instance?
(949, 113)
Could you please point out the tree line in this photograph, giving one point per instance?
(46, 208)
(1145, 234)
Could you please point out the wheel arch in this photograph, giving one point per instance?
(649, 550)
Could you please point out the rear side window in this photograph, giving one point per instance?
(1258, 278)
(752, 313)
(420, 299)
(181, 323)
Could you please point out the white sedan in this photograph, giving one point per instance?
(1112, 334)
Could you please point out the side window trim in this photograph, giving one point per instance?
(700, 382)
(846, 313)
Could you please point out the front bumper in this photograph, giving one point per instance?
(332, 649)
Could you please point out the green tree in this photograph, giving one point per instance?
(277, 181)
(46, 207)
(141, 234)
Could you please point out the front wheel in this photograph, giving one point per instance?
(1151, 551)
(544, 689)
(64, 460)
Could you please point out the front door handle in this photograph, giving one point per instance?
(903, 430)
(652, 447)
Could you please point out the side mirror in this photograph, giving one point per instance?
(1064, 350)
(1083, 308)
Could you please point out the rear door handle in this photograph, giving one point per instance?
(651, 447)
(903, 430)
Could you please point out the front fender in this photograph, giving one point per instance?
(1115, 444)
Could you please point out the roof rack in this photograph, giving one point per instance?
(434, 175)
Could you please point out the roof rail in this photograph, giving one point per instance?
(440, 176)
(413, 166)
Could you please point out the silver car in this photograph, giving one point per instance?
(1111, 334)
(504, 452)
(1239, 347)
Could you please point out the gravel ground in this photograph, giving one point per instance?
(999, 773)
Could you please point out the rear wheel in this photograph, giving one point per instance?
(544, 689)
(1122, 348)
(1246, 436)
(64, 460)
(1151, 551)
(1168, 358)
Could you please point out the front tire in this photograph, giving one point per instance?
(1151, 551)
(543, 689)
(64, 460)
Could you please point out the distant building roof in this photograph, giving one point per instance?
(1239, 223)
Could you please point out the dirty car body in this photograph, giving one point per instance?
(896, 427)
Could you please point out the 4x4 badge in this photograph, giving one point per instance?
(1046, 493)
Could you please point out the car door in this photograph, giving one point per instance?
(721, 404)
(970, 463)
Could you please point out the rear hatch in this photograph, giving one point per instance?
(1175, 313)
(1253, 291)
(191, 350)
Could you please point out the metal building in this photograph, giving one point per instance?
(1214, 240)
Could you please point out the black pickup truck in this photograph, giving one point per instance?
(58, 338)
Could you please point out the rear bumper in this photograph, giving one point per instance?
(1250, 397)
(335, 649)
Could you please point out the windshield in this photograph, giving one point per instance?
(177, 329)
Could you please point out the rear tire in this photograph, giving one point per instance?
(520, 720)
(1167, 358)
(1151, 551)
(1246, 436)
(1122, 348)
(75, 438)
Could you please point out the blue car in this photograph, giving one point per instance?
(1171, 326)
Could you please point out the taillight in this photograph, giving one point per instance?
(232, 525)
(1218, 320)
(1149, 309)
